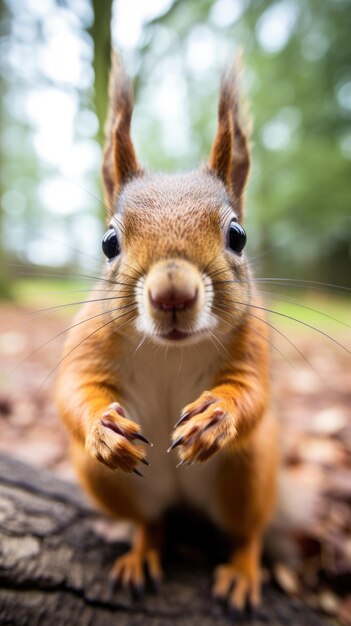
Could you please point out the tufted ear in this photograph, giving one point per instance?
(119, 162)
(230, 155)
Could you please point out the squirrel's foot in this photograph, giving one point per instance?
(111, 437)
(204, 427)
(238, 583)
(128, 572)
(238, 588)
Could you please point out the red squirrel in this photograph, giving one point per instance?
(171, 352)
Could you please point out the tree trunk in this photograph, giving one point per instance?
(5, 289)
(101, 35)
(54, 566)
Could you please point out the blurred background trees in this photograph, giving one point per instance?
(54, 68)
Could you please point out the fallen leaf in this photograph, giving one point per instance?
(286, 578)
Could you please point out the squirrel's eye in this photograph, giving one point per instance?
(110, 245)
(236, 237)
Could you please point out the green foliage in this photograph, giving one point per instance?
(298, 82)
(300, 100)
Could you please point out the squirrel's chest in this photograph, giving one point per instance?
(157, 385)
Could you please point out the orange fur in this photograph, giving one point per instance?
(172, 231)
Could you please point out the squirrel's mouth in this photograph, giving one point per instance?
(175, 335)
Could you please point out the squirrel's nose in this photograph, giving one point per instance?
(177, 299)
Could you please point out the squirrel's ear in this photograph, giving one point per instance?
(230, 155)
(119, 163)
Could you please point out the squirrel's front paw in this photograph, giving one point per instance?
(204, 427)
(111, 437)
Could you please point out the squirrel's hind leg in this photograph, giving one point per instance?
(113, 494)
(246, 490)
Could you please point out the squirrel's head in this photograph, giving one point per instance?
(175, 243)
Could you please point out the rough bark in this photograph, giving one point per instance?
(54, 565)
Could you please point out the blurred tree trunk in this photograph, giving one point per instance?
(5, 290)
(101, 34)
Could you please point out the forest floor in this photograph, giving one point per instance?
(310, 548)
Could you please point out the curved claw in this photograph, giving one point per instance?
(120, 430)
(136, 471)
(182, 419)
(142, 438)
(156, 582)
(176, 443)
(138, 591)
(195, 411)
